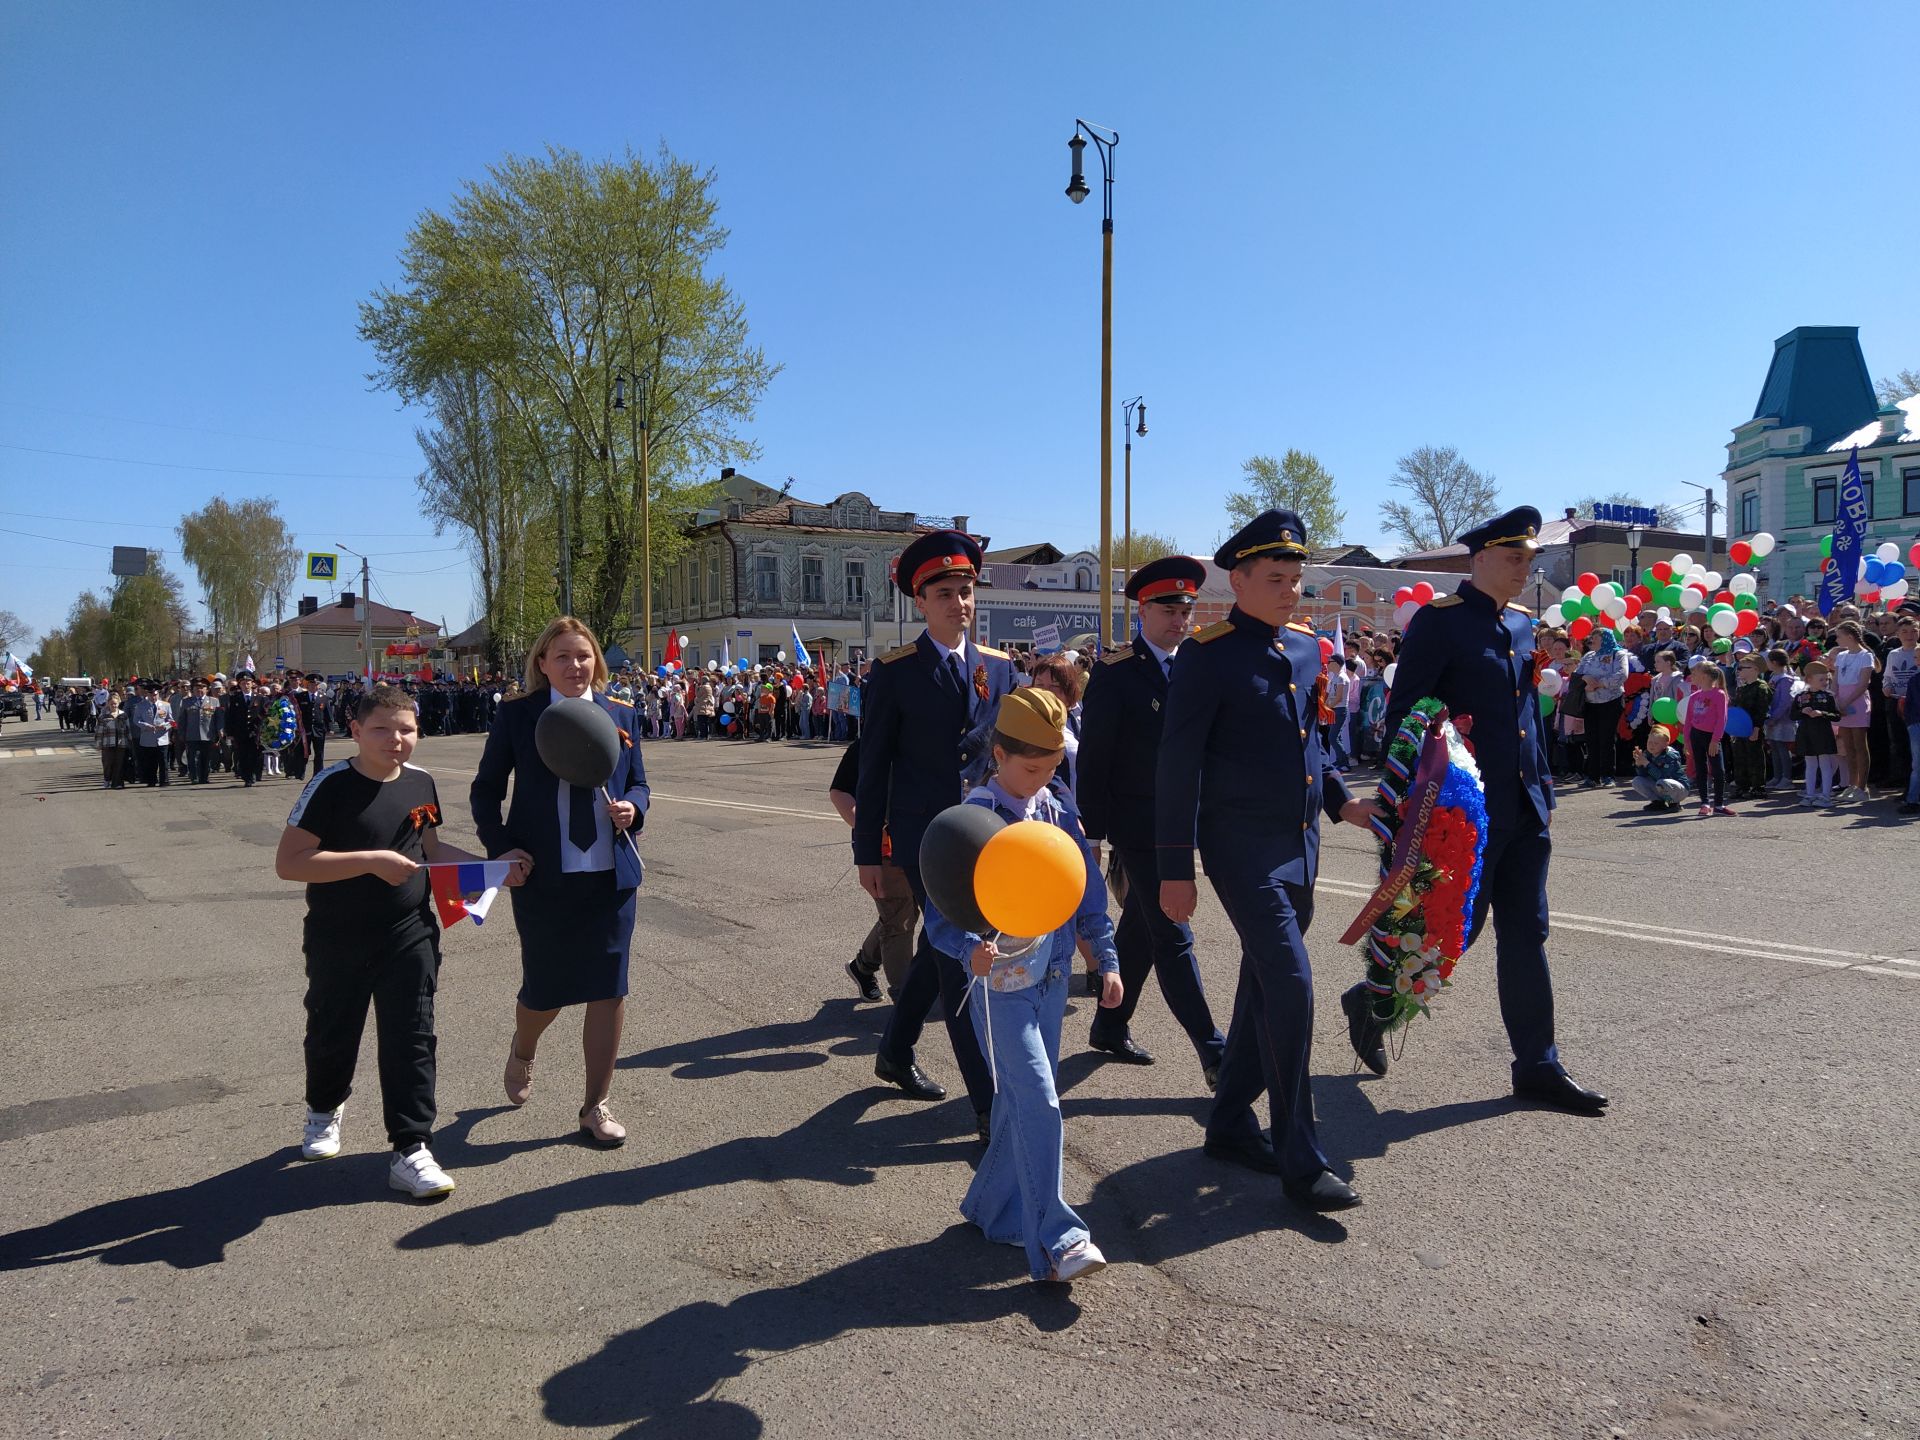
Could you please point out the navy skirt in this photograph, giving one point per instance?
(575, 932)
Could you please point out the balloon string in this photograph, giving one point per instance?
(626, 835)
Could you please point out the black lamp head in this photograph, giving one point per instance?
(619, 392)
(1142, 407)
(1077, 186)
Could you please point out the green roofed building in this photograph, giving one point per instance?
(1784, 465)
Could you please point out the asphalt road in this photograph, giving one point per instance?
(777, 1251)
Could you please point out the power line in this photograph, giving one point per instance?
(202, 430)
(202, 469)
(58, 540)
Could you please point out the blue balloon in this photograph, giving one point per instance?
(741, 663)
(1876, 572)
(1739, 723)
(1893, 570)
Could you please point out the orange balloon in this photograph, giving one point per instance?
(1030, 878)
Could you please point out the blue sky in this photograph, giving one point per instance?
(1560, 238)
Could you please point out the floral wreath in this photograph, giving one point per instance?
(1432, 844)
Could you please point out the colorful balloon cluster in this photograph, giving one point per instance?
(1023, 879)
(1882, 577)
(1680, 586)
(1409, 598)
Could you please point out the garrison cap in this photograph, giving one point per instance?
(941, 552)
(1519, 527)
(1033, 716)
(1173, 579)
(1278, 533)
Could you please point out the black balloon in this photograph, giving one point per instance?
(578, 742)
(949, 851)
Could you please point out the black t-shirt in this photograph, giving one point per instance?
(846, 775)
(350, 812)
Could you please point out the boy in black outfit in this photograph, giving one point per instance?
(359, 836)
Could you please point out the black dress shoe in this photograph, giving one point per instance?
(1562, 1092)
(1121, 1049)
(908, 1078)
(1324, 1191)
(1253, 1151)
(1211, 1074)
(983, 1126)
(1363, 1029)
(863, 982)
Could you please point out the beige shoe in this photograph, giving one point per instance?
(519, 1078)
(599, 1126)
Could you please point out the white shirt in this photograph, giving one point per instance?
(1165, 657)
(599, 856)
(960, 650)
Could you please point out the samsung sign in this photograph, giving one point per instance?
(1627, 515)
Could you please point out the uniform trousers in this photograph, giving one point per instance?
(1015, 1195)
(1271, 1036)
(399, 977)
(248, 761)
(933, 976)
(1148, 941)
(1513, 888)
(153, 764)
(199, 759)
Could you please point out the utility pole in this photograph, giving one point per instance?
(1713, 504)
(364, 604)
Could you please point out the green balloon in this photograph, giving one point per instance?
(1746, 602)
(1826, 547)
(1546, 705)
(1666, 710)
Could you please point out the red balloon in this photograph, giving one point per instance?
(1826, 563)
(1402, 595)
(1422, 593)
(1608, 621)
(1587, 581)
(1663, 572)
(1746, 622)
(1740, 552)
(1633, 603)
(1581, 628)
(1641, 593)
(1725, 597)
(1326, 649)
(1914, 553)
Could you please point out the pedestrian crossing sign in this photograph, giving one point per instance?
(322, 566)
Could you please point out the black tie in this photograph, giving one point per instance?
(582, 828)
(955, 674)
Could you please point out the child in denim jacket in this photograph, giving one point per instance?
(1018, 1007)
(1659, 774)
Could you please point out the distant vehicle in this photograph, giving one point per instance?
(14, 703)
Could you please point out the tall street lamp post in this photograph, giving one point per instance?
(643, 414)
(1126, 556)
(1104, 141)
(1634, 532)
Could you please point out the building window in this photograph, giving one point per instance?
(693, 578)
(857, 579)
(1082, 578)
(713, 578)
(766, 579)
(1749, 512)
(813, 580)
(1622, 577)
(1824, 490)
(1910, 491)
(1349, 597)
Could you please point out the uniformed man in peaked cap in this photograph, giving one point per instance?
(1473, 651)
(926, 716)
(1120, 724)
(1242, 778)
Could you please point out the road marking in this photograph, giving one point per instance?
(742, 805)
(1701, 940)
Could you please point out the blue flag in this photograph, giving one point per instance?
(1849, 536)
(800, 655)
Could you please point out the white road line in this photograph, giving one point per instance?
(741, 805)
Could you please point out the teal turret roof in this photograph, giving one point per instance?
(1819, 379)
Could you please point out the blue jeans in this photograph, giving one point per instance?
(1015, 1196)
(1342, 750)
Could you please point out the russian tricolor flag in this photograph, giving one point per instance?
(453, 881)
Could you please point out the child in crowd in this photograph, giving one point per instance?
(1901, 685)
(1659, 775)
(1020, 1003)
(1854, 666)
(1706, 721)
(113, 738)
(359, 836)
(1747, 773)
(1781, 723)
(1815, 713)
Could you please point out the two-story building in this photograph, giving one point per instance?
(325, 639)
(1784, 465)
(762, 564)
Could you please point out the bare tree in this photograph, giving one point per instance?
(1898, 386)
(12, 630)
(1446, 495)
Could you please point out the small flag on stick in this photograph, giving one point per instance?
(452, 881)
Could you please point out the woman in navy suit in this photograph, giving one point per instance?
(575, 911)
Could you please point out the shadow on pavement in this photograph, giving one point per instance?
(1351, 1125)
(193, 1225)
(772, 1047)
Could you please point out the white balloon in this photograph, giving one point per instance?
(1404, 613)
(1743, 584)
(1388, 674)
(1762, 545)
(1572, 595)
(1887, 553)
(1603, 592)
(1895, 592)
(1550, 683)
(1554, 615)
(1692, 599)
(1713, 579)
(1725, 623)
(1665, 614)
(1683, 563)
(713, 664)
(1615, 607)
(781, 656)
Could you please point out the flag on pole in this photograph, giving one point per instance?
(1849, 535)
(671, 656)
(12, 664)
(1339, 639)
(726, 652)
(800, 655)
(249, 665)
(452, 880)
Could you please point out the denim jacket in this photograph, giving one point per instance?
(1089, 923)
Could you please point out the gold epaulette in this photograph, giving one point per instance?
(1116, 657)
(1521, 608)
(1441, 601)
(1211, 632)
(989, 651)
(616, 700)
(1302, 629)
(898, 654)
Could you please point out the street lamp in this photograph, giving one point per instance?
(643, 415)
(1539, 583)
(1104, 141)
(1128, 431)
(1634, 532)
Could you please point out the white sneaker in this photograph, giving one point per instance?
(322, 1139)
(419, 1174)
(1081, 1258)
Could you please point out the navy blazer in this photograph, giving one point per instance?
(1120, 747)
(1477, 660)
(916, 738)
(533, 821)
(1241, 772)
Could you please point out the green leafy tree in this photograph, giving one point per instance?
(145, 621)
(1296, 482)
(546, 280)
(244, 557)
(1147, 547)
(54, 658)
(1445, 495)
(1898, 386)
